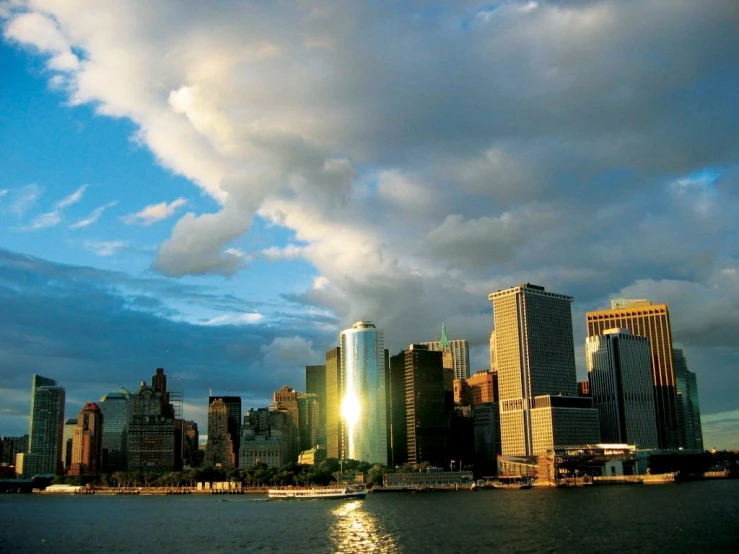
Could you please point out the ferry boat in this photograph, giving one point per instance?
(331, 491)
(512, 483)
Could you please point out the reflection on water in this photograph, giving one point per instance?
(356, 530)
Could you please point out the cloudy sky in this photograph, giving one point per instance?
(218, 188)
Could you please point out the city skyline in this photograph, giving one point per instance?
(242, 182)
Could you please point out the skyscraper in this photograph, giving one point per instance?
(425, 407)
(643, 318)
(308, 421)
(46, 429)
(688, 404)
(87, 443)
(115, 406)
(334, 391)
(219, 452)
(620, 376)
(535, 359)
(455, 353)
(233, 422)
(315, 383)
(362, 408)
(151, 432)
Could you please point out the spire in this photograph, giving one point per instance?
(443, 341)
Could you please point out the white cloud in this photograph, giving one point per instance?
(24, 198)
(3, 192)
(105, 248)
(93, 216)
(234, 319)
(45, 220)
(73, 198)
(154, 212)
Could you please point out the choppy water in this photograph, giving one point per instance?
(689, 517)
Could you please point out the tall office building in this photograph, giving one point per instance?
(151, 435)
(425, 407)
(46, 429)
(233, 423)
(483, 387)
(455, 353)
(219, 452)
(315, 383)
(87, 443)
(308, 421)
(535, 362)
(334, 391)
(620, 375)
(643, 318)
(362, 408)
(267, 437)
(486, 421)
(115, 407)
(69, 426)
(688, 404)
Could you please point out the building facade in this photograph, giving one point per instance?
(233, 421)
(620, 376)
(87, 442)
(486, 421)
(267, 437)
(534, 356)
(151, 432)
(455, 354)
(219, 452)
(46, 429)
(363, 403)
(334, 392)
(308, 421)
(643, 318)
(115, 408)
(315, 383)
(688, 403)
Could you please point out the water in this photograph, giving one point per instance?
(688, 517)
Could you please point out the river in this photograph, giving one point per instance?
(686, 517)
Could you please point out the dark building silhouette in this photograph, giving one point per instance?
(152, 443)
(315, 383)
(425, 405)
(233, 409)
(219, 452)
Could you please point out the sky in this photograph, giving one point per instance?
(219, 188)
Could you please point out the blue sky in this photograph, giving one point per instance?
(219, 189)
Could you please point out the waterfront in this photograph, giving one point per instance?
(688, 517)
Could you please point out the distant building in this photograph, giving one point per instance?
(688, 403)
(308, 421)
(455, 353)
(486, 422)
(620, 375)
(10, 446)
(115, 408)
(233, 421)
(219, 452)
(583, 388)
(191, 441)
(397, 431)
(67, 439)
(643, 318)
(46, 430)
(313, 456)
(462, 393)
(362, 387)
(315, 383)
(267, 437)
(87, 443)
(425, 409)
(482, 387)
(535, 360)
(334, 391)
(151, 431)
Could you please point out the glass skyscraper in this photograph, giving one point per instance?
(362, 406)
(46, 429)
(114, 407)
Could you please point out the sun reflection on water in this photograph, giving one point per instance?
(356, 530)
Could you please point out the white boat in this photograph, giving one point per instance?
(331, 491)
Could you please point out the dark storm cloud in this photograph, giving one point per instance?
(74, 325)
